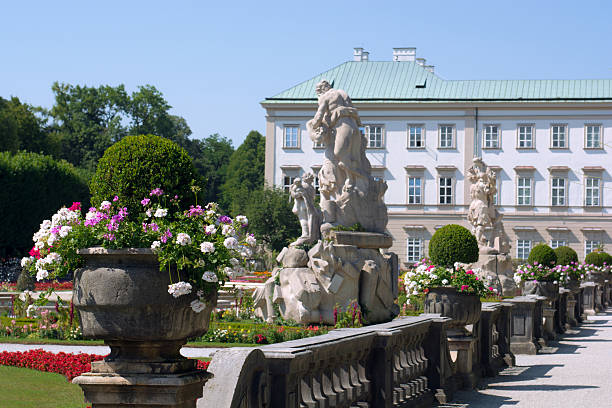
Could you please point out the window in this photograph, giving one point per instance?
(592, 136)
(523, 191)
(416, 137)
(523, 247)
(525, 137)
(557, 193)
(414, 251)
(558, 136)
(287, 182)
(491, 137)
(374, 136)
(497, 188)
(316, 185)
(414, 190)
(291, 140)
(446, 136)
(590, 246)
(318, 145)
(591, 192)
(446, 190)
(556, 243)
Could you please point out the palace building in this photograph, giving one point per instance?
(547, 140)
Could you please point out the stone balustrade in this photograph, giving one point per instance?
(495, 326)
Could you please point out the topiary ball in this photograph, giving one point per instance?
(565, 255)
(598, 258)
(453, 243)
(135, 165)
(542, 254)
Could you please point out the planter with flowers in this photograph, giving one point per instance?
(143, 284)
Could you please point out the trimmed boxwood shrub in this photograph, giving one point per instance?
(34, 187)
(598, 258)
(565, 255)
(542, 254)
(453, 243)
(135, 165)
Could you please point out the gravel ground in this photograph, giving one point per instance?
(102, 350)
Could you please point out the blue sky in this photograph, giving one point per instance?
(215, 61)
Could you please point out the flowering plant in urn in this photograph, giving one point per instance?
(424, 276)
(199, 243)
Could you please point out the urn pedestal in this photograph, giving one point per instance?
(464, 309)
(550, 291)
(122, 298)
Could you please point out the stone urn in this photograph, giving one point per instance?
(122, 298)
(573, 285)
(463, 308)
(549, 290)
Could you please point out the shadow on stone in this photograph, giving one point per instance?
(476, 399)
(540, 387)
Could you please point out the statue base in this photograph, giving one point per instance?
(312, 288)
(499, 268)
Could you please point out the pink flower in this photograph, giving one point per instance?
(469, 272)
(156, 192)
(464, 287)
(116, 198)
(145, 201)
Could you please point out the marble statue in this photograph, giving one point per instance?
(494, 259)
(303, 193)
(349, 193)
(341, 266)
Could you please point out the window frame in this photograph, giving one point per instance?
(366, 132)
(298, 136)
(518, 136)
(600, 139)
(562, 241)
(593, 247)
(452, 189)
(419, 251)
(565, 133)
(586, 189)
(552, 189)
(453, 136)
(531, 198)
(420, 187)
(484, 136)
(423, 136)
(522, 248)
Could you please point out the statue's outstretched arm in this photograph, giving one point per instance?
(318, 117)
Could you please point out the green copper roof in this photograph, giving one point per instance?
(391, 81)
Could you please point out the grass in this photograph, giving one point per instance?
(25, 388)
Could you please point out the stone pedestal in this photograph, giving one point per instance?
(579, 311)
(467, 367)
(538, 320)
(588, 298)
(548, 313)
(522, 338)
(561, 312)
(499, 268)
(571, 311)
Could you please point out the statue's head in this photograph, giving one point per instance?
(478, 162)
(308, 178)
(322, 87)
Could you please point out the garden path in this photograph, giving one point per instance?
(574, 372)
(191, 352)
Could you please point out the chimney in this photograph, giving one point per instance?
(360, 55)
(404, 54)
(420, 61)
(430, 68)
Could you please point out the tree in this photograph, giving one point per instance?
(211, 158)
(148, 112)
(270, 217)
(21, 128)
(245, 173)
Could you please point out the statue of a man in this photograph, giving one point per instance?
(346, 168)
(303, 193)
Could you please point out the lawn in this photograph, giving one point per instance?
(25, 388)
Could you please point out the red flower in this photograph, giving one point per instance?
(76, 206)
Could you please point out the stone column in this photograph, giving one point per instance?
(522, 339)
(561, 313)
(571, 310)
(588, 298)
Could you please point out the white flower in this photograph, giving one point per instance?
(51, 240)
(149, 212)
(27, 261)
(105, 205)
(210, 213)
(445, 281)
(64, 231)
(241, 219)
(179, 289)
(30, 310)
(229, 272)
(415, 292)
(230, 243)
(228, 230)
(161, 212)
(183, 239)
(54, 257)
(207, 247)
(41, 274)
(200, 293)
(517, 278)
(245, 252)
(234, 262)
(211, 229)
(155, 245)
(46, 225)
(197, 306)
(209, 276)
(250, 240)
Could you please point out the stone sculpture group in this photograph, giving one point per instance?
(340, 257)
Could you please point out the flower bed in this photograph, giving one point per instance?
(68, 364)
(258, 333)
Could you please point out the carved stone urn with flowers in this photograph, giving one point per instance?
(144, 284)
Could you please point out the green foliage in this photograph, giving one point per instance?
(245, 173)
(355, 228)
(565, 255)
(134, 166)
(270, 216)
(453, 243)
(34, 186)
(22, 129)
(598, 258)
(211, 158)
(543, 255)
(351, 317)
